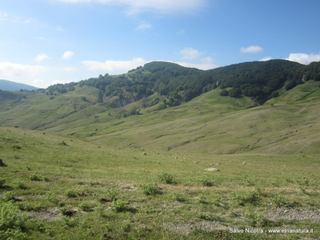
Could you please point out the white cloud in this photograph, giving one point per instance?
(190, 53)
(142, 5)
(13, 70)
(67, 55)
(251, 49)
(112, 66)
(204, 64)
(144, 26)
(266, 59)
(304, 58)
(41, 57)
(193, 58)
(6, 17)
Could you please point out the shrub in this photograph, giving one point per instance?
(167, 178)
(180, 198)
(36, 178)
(224, 93)
(11, 222)
(87, 206)
(203, 200)
(207, 182)
(22, 186)
(72, 194)
(253, 198)
(119, 206)
(110, 196)
(235, 92)
(152, 189)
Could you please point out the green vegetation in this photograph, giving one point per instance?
(152, 189)
(167, 178)
(80, 162)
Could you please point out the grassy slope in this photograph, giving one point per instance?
(91, 173)
(211, 124)
(279, 170)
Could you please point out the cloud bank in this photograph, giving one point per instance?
(304, 58)
(113, 66)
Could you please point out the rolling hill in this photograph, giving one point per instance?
(6, 85)
(164, 149)
(148, 107)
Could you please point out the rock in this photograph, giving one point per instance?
(2, 164)
(212, 169)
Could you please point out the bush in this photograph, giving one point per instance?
(235, 92)
(11, 222)
(180, 198)
(207, 182)
(22, 186)
(36, 178)
(253, 198)
(88, 206)
(119, 206)
(167, 178)
(72, 194)
(152, 190)
(224, 93)
(112, 195)
(290, 85)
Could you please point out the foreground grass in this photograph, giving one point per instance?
(71, 189)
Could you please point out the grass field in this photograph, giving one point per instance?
(197, 171)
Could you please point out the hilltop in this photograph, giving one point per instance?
(6, 85)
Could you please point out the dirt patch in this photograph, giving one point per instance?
(128, 187)
(293, 214)
(45, 214)
(188, 228)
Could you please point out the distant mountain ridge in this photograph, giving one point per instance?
(6, 85)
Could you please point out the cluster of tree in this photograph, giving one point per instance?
(312, 71)
(176, 84)
(258, 80)
(60, 88)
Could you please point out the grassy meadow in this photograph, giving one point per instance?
(203, 170)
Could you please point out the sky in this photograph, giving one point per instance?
(44, 42)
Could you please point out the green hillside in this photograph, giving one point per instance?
(164, 149)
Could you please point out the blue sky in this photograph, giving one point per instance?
(43, 42)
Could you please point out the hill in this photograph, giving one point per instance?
(176, 84)
(143, 108)
(6, 85)
(130, 156)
